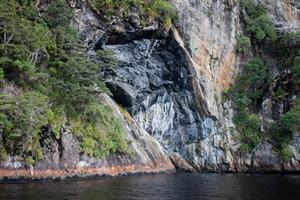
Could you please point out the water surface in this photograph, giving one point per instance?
(161, 187)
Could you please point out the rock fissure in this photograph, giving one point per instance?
(167, 91)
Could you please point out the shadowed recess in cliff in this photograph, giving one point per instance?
(154, 84)
(119, 38)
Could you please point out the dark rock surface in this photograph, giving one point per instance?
(154, 84)
(63, 158)
(170, 83)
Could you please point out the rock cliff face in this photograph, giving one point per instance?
(63, 158)
(208, 29)
(285, 14)
(171, 84)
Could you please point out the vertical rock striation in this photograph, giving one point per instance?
(285, 14)
(208, 30)
(170, 84)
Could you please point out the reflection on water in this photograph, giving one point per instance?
(162, 186)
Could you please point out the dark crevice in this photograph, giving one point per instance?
(119, 38)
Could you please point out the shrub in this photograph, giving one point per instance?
(288, 51)
(22, 117)
(247, 90)
(163, 11)
(285, 153)
(248, 125)
(74, 84)
(160, 10)
(243, 44)
(254, 79)
(282, 132)
(1, 74)
(291, 119)
(29, 161)
(100, 131)
(58, 13)
(261, 27)
(296, 70)
(252, 8)
(3, 153)
(106, 58)
(55, 85)
(281, 137)
(26, 44)
(258, 23)
(66, 40)
(56, 119)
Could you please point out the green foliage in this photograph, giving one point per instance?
(160, 10)
(258, 23)
(163, 11)
(254, 79)
(54, 84)
(22, 117)
(56, 119)
(29, 161)
(3, 153)
(226, 91)
(102, 133)
(106, 58)
(250, 87)
(24, 43)
(253, 10)
(285, 153)
(261, 27)
(291, 119)
(288, 53)
(111, 5)
(283, 131)
(281, 137)
(246, 92)
(66, 40)
(279, 94)
(58, 13)
(243, 44)
(296, 70)
(74, 84)
(248, 125)
(1, 74)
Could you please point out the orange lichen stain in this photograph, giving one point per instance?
(226, 75)
(223, 75)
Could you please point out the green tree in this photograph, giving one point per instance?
(243, 44)
(54, 85)
(247, 90)
(160, 10)
(75, 84)
(58, 13)
(22, 117)
(258, 23)
(106, 58)
(24, 46)
(1, 74)
(296, 70)
(247, 124)
(102, 133)
(254, 79)
(291, 119)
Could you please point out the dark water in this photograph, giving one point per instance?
(162, 186)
